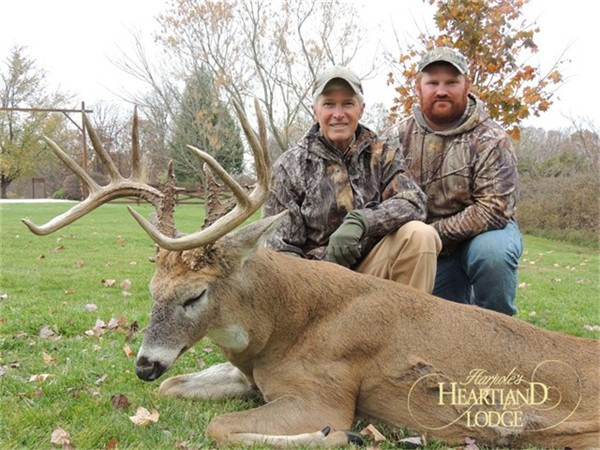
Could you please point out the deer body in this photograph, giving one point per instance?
(324, 345)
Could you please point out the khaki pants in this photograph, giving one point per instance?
(408, 256)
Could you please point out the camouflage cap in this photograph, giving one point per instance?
(445, 54)
(337, 72)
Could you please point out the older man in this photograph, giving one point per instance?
(349, 197)
(465, 163)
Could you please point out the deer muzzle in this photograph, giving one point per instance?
(149, 370)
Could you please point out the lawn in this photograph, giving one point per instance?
(59, 368)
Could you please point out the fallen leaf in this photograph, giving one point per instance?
(46, 332)
(101, 380)
(112, 324)
(120, 241)
(373, 433)
(96, 347)
(60, 437)
(120, 401)
(78, 264)
(41, 257)
(201, 363)
(60, 248)
(69, 291)
(133, 263)
(523, 285)
(3, 297)
(112, 444)
(556, 280)
(126, 284)
(126, 293)
(532, 313)
(108, 282)
(207, 349)
(48, 360)
(127, 351)
(90, 307)
(14, 365)
(40, 377)
(591, 327)
(143, 416)
(471, 444)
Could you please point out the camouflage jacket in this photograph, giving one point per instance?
(469, 173)
(318, 185)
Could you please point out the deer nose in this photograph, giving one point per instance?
(148, 370)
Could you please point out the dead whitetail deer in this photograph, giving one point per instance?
(324, 345)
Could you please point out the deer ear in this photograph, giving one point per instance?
(251, 236)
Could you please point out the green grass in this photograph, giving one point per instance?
(50, 279)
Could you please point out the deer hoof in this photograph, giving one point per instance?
(354, 438)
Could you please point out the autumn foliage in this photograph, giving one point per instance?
(496, 39)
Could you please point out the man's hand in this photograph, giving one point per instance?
(343, 242)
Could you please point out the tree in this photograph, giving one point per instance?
(204, 122)
(495, 38)
(21, 149)
(271, 49)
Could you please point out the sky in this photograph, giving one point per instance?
(75, 41)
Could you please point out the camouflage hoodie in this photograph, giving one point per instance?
(469, 173)
(318, 185)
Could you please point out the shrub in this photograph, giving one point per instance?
(561, 207)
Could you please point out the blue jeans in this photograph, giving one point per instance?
(483, 270)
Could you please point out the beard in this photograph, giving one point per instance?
(444, 110)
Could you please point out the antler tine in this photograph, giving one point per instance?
(136, 170)
(98, 195)
(246, 206)
(113, 172)
(237, 190)
(88, 181)
(259, 148)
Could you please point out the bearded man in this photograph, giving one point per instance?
(465, 164)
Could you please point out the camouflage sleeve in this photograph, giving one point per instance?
(401, 198)
(290, 236)
(494, 194)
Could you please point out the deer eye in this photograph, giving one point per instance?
(192, 301)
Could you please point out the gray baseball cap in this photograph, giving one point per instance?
(337, 72)
(445, 54)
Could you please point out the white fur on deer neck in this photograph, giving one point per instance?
(231, 337)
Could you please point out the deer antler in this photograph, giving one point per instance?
(246, 204)
(119, 186)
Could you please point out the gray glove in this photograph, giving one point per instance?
(343, 242)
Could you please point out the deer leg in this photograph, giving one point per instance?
(284, 422)
(216, 382)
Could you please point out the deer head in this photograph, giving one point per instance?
(189, 268)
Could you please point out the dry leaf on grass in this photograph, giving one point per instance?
(101, 380)
(128, 351)
(126, 284)
(120, 241)
(3, 297)
(591, 327)
(48, 360)
(108, 282)
(371, 432)
(41, 257)
(143, 416)
(112, 444)
(60, 248)
(46, 332)
(207, 349)
(120, 401)
(78, 264)
(90, 307)
(40, 377)
(471, 444)
(60, 437)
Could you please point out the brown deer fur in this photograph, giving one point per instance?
(325, 345)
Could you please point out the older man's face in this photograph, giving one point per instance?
(442, 93)
(338, 111)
